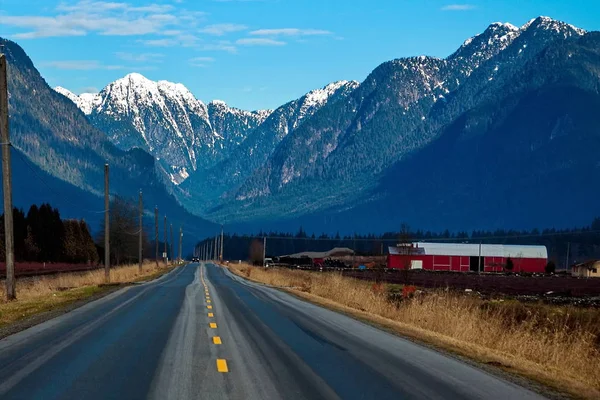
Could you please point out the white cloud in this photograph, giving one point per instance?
(222, 29)
(201, 61)
(259, 42)
(222, 45)
(290, 32)
(458, 7)
(140, 57)
(81, 65)
(103, 18)
(182, 39)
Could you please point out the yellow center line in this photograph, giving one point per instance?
(222, 365)
(213, 325)
(208, 301)
(210, 315)
(209, 307)
(217, 340)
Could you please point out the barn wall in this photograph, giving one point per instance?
(462, 263)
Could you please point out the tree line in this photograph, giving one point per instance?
(42, 236)
(578, 243)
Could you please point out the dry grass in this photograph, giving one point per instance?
(557, 346)
(49, 292)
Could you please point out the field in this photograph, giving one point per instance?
(556, 346)
(34, 268)
(489, 283)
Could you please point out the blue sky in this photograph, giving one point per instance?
(252, 53)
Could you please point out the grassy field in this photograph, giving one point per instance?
(37, 295)
(556, 346)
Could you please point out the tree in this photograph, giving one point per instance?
(124, 229)
(32, 251)
(550, 267)
(256, 252)
(509, 264)
(88, 243)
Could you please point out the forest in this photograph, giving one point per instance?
(42, 236)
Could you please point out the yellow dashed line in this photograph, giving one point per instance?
(209, 307)
(222, 365)
(213, 325)
(210, 315)
(208, 301)
(216, 340)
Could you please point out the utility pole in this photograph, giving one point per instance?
(156, 233)
(479, 259)
(165, 255)
(180, 242)
(106, 227)
(568, 251)
(221, 254)
(264, 250)
(216, 247)
(172, 254)
(7, 185)
(141, 212)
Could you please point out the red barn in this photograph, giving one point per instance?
(464, 257)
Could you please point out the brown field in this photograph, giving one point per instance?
(488, 283)
(556, 346)
(45, 293)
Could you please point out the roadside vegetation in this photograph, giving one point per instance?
(51, 292)
(555, 345)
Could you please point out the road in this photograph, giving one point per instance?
(202, 333)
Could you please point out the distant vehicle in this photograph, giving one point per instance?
(195, 259)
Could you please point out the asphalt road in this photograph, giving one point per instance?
(156, 341)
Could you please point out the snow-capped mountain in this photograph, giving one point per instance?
(232, 125)
(401, 109)
(165, 119)
(260, 143)
(84, 101)
(340, 147)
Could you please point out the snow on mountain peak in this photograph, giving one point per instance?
(547, 23)
(84, 102)
(320, 96)
(218, 103)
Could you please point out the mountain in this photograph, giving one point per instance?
(501, 133)
(166, 120)
(353, 152)
(62, 155)
(260, 142)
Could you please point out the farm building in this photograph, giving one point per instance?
(588, 269)
(464, 257)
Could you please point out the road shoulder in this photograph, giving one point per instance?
(543, 383)
(75, 299)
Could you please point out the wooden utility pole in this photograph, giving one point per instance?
(221, 249)
(264, 250)
(11, 293)
(172, 254)
(106, 227)
(216, 253)
(156, 233)
(165, 241)
(566, 261)
(180, 242)
(141, 212)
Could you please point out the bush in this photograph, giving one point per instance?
(550, 267)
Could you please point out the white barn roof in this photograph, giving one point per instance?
(472, 249)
